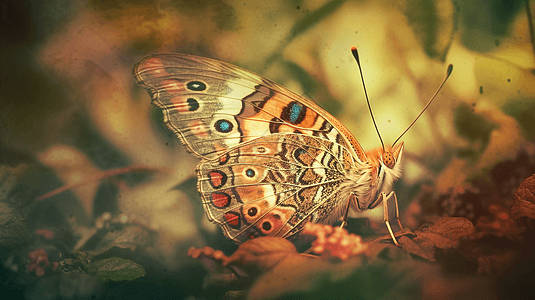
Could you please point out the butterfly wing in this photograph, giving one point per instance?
(213, 106)
(273, 185)
(271, 160)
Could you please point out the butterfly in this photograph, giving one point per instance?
(270, 160)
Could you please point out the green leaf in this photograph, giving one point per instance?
(13, 227)
(116, 269)
(433, 23)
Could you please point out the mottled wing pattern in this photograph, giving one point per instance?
(213, 106)
(272, 186)
(270, 160)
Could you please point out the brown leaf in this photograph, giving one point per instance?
(208, 252)
(453, 228)
(524, 199)
(444, 233)
(212, 261)
(261, 254)
(422, 249)
(252, 258)
(499, 223)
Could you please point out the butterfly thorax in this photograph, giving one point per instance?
(384, 168)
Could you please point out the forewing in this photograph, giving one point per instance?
(213, 106)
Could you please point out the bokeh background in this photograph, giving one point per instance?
(72, 116)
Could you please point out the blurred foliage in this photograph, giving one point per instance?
(91, 182)
(485, 23)
(116, 269)
(523, 111)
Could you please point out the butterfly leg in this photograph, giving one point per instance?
(386, 219)
(397, 208)
(346, 213)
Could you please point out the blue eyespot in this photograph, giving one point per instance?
(193, 104)
(196, 86)
(250, 173)
(295, 110)
(223, 126)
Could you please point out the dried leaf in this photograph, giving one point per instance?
(499, 223)
(73, 166)
(524, 200)
(295, 273)
(453, 228)
(444, 233)
(382, 280)
(116, 269)
(218, 275)
(252, 258)
(262, 253)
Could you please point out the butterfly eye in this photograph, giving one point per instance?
(388, 159)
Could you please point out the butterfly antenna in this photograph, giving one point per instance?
(356, 56)
(448, 73)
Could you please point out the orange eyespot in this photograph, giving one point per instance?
(388, 159)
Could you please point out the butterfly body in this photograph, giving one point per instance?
(271, 160)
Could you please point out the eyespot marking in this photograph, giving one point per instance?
(223, 126)
(252, 211)
(217, 179)
(233, 219)
(266, 226)
(294, 112)
(250, 173)
(220, 200)
(193, 104)
(196, 86)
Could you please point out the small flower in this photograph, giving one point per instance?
(37, 257)
(47, 234)
(334, 242)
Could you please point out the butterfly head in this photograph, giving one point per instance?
(386, 167)
(390, 168)
(391, 162)
(390, 157)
